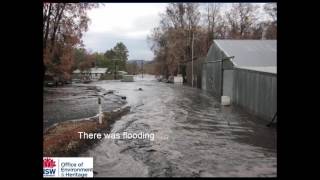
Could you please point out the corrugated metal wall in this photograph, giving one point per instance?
(211, 71)
(256, 92)
(228, 83)
(213, 78)
(204, 77)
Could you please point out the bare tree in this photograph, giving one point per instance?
(172, 40)
(271, 28)
(221, 29)
(241, 17)
(63, 25)
(271, 10)
(175, 15)
(193, 18)
(180, 36)
(212, 18)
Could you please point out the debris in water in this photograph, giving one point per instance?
(151, 150)
(110, 92)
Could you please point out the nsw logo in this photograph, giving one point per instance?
(49, 167)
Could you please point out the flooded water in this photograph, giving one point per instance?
(75, 102)
(194, 136)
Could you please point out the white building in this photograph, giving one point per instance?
(90, 74)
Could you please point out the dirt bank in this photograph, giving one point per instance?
(62, 139)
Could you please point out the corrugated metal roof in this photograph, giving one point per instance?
(93, 70)
(269, 69)
(258, 55)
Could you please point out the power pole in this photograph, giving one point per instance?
(114, 64)
(115, 67)
(192, 59)
(142, 69)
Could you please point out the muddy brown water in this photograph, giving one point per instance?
(194, 136)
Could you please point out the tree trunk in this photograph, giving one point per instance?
(56, 25)
(47, 22)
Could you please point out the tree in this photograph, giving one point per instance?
(221, 31)
(258, 31)
(271, 28)
(132, 68)
(117, 56)
(271, 31)
(193, 18)
(149, 67)
(121, 54)
(110, 55)
(102, 61)
(241, 18)
(172, 40)
(83, 60)
(79, 57)
(63, 25)
(212, 19)
(271, 10)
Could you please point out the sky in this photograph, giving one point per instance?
(129, 23)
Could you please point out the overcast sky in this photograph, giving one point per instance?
(129, 23)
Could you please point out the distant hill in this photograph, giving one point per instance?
(139, 62)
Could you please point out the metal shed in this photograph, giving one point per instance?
(244, 70)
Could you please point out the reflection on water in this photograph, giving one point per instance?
(194, 136)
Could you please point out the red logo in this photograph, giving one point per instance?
(49, 163)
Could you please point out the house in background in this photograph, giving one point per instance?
(244, 71)
(122, 73)
(92, 74)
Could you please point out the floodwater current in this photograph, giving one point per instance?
(194, 136)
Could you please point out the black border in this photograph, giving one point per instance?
(24, 104)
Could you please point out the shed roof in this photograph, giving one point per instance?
(93, 70)
(269, 69)
(98, 70)
(258, 55)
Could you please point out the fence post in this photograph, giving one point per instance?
(100, 110)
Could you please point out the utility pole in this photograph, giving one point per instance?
(115, 67)
(192, 58)
(114, 73)
(100, 110)
(142, 69)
